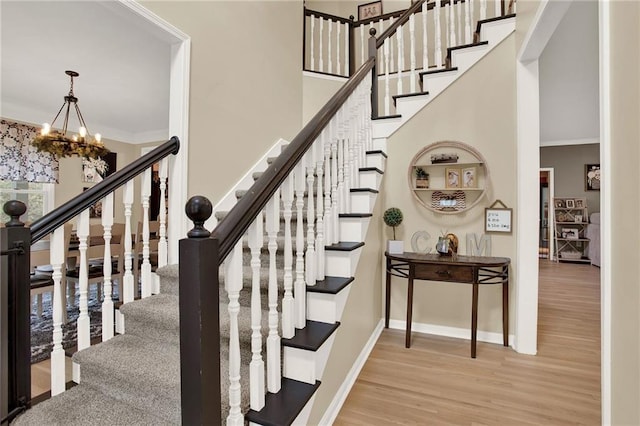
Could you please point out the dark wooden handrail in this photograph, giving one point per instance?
(54, 219)
(335, 18)
(401, 21)
(235, 224)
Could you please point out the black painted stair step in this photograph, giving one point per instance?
(371, 169)
(344, 246)
(488, 20)
(371, 190)
(355, 215)
(464, 46)
(312, 336)
(440, 71)
(283, 407)
(385, 117)
(377, 152)
(330, 285)
(407, 95)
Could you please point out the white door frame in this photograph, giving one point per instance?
(545, 22)
(551, 212)
(178, 122)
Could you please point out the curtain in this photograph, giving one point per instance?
(19, 160)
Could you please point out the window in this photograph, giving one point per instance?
(37, 196)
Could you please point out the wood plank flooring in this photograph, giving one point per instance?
(435, 382)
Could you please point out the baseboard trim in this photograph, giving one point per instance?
(455, 332)
(342, 393)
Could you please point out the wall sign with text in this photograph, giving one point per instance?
(498, 219)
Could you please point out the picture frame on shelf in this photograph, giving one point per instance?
(570, 204)
(469, 177)
(369, 10)
(570, 233)
(592, 177)
(452, 177)
(581, 203)
(578, 218)
(559, 204)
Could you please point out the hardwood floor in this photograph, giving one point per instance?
(435, 382)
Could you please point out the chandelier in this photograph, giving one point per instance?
(59, 144)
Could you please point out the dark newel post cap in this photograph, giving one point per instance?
(198, 210)
(351, 17)
(372, 32)
(14, 209)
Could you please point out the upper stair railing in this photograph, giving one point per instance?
(17, 242)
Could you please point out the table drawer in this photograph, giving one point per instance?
(454, 273)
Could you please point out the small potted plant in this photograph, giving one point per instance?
(422, 178)
(393, 217)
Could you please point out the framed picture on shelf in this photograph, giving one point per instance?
(578, 218)
(592, 177)
(452, 177)
(559, 204)
(369, 10)
(570, 233)
(571, 204)
(581, 203)
(469, 177)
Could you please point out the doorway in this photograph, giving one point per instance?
(545, 225)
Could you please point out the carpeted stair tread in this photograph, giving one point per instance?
(82, 405)
(142, 372)
(168, 279)
(156, 317)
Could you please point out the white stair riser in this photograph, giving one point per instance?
(377, 160)
(119, 322)
(497, 30)
(370, 179)
(362, 202)
(464, 59)
(409, 106)
(342, 263)
(307, 366)
(384, 128)
(326, 307)
(436, 83)
(353, 228)
(379, 143)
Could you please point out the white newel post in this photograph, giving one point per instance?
(412, 41)
(145, 274)
(127, 287)
(319, 147)
(273, 339)
(299, 284)
(310, 254)
(83, 324)
(312, 46)
(286, 192)
(58, 368)
(256, 368)
(107, 302)
(425, 38)
(233, 285)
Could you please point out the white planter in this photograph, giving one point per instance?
(395, 247)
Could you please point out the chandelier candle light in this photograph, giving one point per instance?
(59, 144)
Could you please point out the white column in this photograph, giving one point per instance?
(256, 368)
(233, 285)
(273, 339)
(107, 302)
(58, 367)
(288, 328)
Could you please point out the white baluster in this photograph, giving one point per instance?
(233, 285)
(438, 59)
(288, 327)
(319, 146)
(329, 43)
(256, 368)
(273, 339)
(335, 232)
(346, 49)
(338, 40)
(483, 9)
(107, 302)
(348, 164)
(452, 25)
(400, 45)
(391, 52)
(412, 41)
(467, 22)
(145, 269)
(362, 45)
(310, 254)
(163, 252)
(82, 231)
(459, 24)
(472, 12)
(498, 7)
(341, 162)
(425, 38)
(300, 284)
(321, 53)
(58, 368)
(328, 219)
(312, 47)
(387, 94)
(127, 286)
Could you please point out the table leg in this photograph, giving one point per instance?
(387, 305)
(407, 343)
(474, 319)
(505, 313)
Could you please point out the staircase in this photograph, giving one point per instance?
(134, 378)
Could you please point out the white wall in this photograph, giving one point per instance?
(569, 101)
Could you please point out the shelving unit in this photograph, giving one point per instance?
(457, 177)
(570, 223)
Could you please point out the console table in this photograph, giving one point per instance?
(475, 270)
